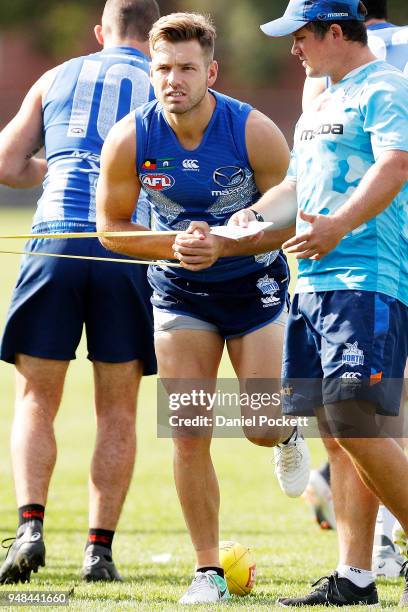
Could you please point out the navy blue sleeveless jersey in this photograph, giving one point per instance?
(89, 94)
(208, 184)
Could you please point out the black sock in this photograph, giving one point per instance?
(30, 512)
(219, 570)
(325, 472)
(101, 537)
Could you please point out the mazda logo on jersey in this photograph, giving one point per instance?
(158, 182)
(229, 176)
(337, 129)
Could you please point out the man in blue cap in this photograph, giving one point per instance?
(299, 13)
(348, 175)
(388, 42)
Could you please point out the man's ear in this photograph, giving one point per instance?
(336, 30)
(98, 34)
(212, 73)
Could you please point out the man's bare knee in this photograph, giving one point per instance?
(39, 384)
(116, 388)
(189, 448)
(262, 437)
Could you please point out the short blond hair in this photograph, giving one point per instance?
(182, 27)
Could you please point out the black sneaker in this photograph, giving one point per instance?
(403, 602)
(98, 565)
(334, 591)
(25, 555)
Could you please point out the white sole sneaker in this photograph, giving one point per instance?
(292, 465)
(206, 588)
(386, 562)
(319, 496)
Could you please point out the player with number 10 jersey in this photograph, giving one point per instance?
(389, 43)
(82, 99)
(70, 110)
(88, 96)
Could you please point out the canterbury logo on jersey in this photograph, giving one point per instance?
(191, 164)
(158, 182)
(324, 129)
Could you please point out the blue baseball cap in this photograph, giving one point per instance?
(301, 12)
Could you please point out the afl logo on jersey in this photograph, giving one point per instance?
(158, 182)
(229, 176)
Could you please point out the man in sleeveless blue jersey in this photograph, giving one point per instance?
(389, 43)
(200, 154)
(348, 176)
(73, 107)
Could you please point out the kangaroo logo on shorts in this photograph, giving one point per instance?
(352, 355)
(268, 287)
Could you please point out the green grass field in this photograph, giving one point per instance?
(289, 548)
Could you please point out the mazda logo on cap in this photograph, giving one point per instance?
(229, 176)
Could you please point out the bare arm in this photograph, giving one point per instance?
(269, 156)
(380, 185)
(22, 138)
(279, 205)
(268, 153)
(117, 191)
(311, 90)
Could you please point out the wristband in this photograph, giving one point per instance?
(258, 215)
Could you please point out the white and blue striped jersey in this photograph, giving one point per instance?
(390, 44)
(88, 96)
(337, 140)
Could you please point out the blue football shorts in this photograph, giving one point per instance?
(54, 298)
(343, 345)
(232, 307)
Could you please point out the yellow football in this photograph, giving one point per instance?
(239, 567)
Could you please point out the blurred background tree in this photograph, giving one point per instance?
(38, 34)
(60, 29)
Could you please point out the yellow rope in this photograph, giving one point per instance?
(132, 233)
(131, 261)
(64, 235)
